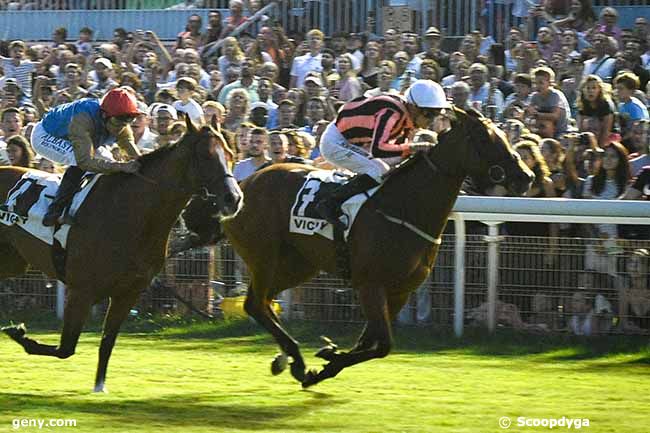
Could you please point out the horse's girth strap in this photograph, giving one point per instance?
(414, 229)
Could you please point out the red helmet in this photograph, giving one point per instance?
(119, 102)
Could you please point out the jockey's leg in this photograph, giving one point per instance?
(64, 195)
(330, 207)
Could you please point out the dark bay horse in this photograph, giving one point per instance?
(387, 260)
(119, 239)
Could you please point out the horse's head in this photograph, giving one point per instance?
(210, 175)
(483, 152)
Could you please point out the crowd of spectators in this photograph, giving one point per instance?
(571, 91)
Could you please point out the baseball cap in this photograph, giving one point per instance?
(314, 79)
(432, 31)
(104, 62)
(259, 104)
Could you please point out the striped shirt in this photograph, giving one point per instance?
(381, 125)
(22, 73)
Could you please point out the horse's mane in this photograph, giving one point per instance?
(161, 152)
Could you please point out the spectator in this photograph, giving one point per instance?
(547, 103)
(72, 89)
(232, 55)
(459, 68)
(553, 153)
(259, 114)
(460, 95)
(349, 86)
(602, 64)
(410, 47)
(84, 44)
(641, 145)
(626, 83)
(18, 67)
(521, 97)
(235, 18)
(287, 112)
(310, 61)
(186, 103)
(329, 72)
(595, 109)
(609, 182)
(237, 109)
(387, 75)
(103, 69)
(257, 154)
(482, 93)
(433, 37)
(145, 139)
(19, 151)
(370, 66)
(247, 82)
(430, 70)
(214, 28)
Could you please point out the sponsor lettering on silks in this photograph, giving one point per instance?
(307, 226)
(11, 218)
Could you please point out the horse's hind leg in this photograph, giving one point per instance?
(118, 311)
(375, 341)
(75, 314)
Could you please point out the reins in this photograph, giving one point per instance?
(203, 194)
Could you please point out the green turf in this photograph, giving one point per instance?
(206, 377)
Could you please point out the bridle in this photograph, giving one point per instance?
(496, 172)
(203, 193)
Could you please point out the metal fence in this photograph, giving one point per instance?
(454, 18)
(589, 286)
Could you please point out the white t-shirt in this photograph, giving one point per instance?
(192, 109)
(305, 64)
(244, 168)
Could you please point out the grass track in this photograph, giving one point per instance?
(216, 378)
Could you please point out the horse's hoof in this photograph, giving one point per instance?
(279, 364)
(15, 332)
(327, 353)
(298, 371)
(311, 378)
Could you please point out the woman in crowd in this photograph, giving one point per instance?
(237, 110)
(349, 87)
(19, 151)
(232, 55)
(553, 154)
(595, 109)
(370, 67)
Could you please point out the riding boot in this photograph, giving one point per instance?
(67, 189)
(330, 207)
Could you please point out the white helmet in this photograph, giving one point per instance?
(427, 94)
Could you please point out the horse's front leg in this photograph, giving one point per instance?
(75, 314)
(118, 311)
(259, 308)
(374, 342)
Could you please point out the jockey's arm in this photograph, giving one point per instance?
(126, 142)
(80, 136)
(381, 139)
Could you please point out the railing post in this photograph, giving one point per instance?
(60, 299)
(459, 275)
(493, 240)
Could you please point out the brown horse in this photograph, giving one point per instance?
(388, 260)
(119, 239)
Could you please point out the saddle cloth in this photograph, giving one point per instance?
(28, 200)
(305, 220)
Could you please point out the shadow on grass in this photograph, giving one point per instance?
(172, 410)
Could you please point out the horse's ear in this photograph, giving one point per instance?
(215, 124)
(191, 127)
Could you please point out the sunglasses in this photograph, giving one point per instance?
(124, 120)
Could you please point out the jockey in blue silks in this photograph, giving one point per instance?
(71, 134)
